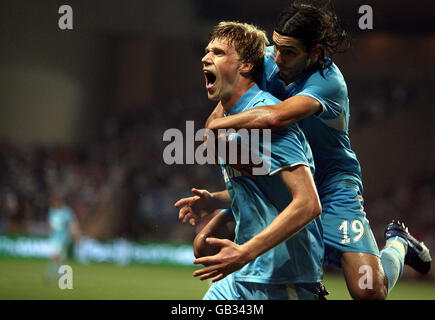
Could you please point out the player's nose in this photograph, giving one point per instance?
(278, 58)
(206, 60)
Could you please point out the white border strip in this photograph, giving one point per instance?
(251, 100)
(288, 166)
(314, 97)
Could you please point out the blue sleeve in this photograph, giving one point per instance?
(288, 149)
(269, 70)
(330, 90)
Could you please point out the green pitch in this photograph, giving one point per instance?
(24, 279)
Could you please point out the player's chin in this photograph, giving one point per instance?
(212, 95)
(286, 76)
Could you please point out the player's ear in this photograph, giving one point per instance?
(246, 67)
(316, 52)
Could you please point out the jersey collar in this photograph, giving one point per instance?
(246, 100)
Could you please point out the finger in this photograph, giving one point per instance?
(183, 211)
(208, 269)
(217, 242)
(205, 270)
(183, 202)
(219, 277)
(186, 214)
(187, 217)
(200, 193)
(192, 222)
(209, 275)
(209, 260)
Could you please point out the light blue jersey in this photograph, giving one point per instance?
(327, 132)
(59, 220)
(256, 203)
(338, 172)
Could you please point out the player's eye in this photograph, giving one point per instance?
(285, 51)
(218, 52)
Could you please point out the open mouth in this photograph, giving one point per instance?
(210, 79)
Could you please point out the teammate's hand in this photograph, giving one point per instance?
(193, 209)
(230, 258)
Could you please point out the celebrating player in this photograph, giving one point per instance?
(277, 252)
(314, 93)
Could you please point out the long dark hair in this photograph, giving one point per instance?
(314, 25)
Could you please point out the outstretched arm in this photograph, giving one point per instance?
(304, 207)
(274, 117)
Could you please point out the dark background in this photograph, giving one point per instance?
(83, 111)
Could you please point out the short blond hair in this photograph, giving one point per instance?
(249, 42)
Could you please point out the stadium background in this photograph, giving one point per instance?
(84, 110)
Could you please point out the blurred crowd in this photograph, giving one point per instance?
(375, 100)
(119, 186)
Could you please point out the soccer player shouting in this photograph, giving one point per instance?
(277, 252)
